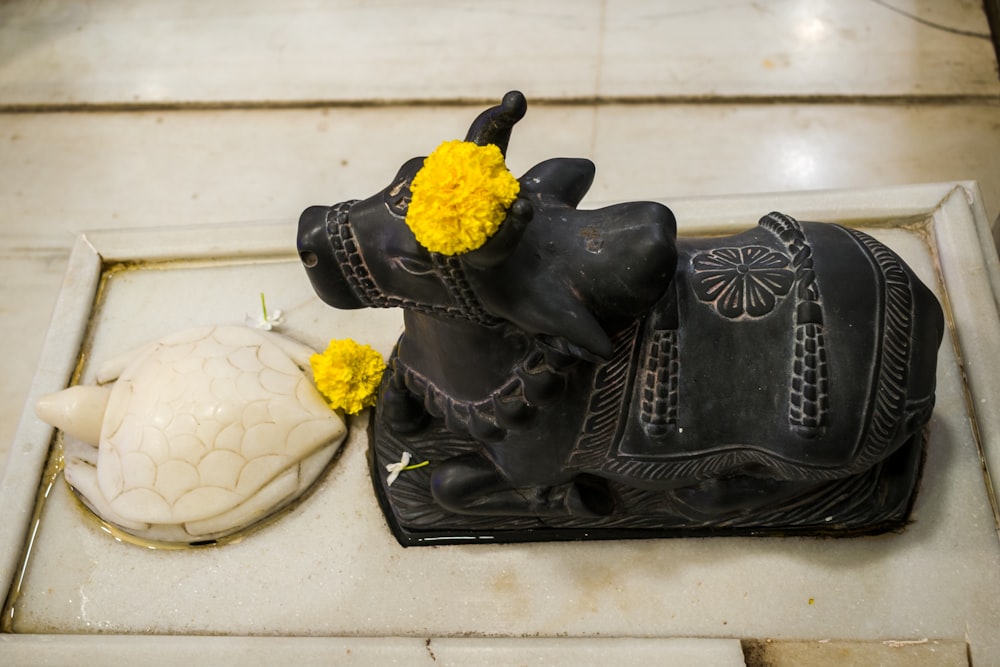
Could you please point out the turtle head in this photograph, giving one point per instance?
(78, 411)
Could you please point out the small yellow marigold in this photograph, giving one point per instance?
(348, 374)
(460, 196)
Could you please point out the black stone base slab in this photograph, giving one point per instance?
(874, 502)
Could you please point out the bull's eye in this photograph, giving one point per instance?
(397, 198)
(413, 266)
(309, 259)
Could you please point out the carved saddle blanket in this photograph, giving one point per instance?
(800, 357)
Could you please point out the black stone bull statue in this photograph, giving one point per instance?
(587, 374)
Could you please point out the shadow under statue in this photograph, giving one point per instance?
(586, 374)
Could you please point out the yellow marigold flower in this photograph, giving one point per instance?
(348, 374)
(460, 196)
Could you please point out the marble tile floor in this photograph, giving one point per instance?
(68, 54)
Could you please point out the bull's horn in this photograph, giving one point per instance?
(493, 126)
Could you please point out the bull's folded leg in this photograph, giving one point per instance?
(471, 484)
(740, 494)
(867, 502)
(401, 411)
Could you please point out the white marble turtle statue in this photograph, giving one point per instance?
(204, 432)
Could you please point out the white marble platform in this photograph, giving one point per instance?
(329, 575)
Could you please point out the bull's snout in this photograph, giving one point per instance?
(321, 264)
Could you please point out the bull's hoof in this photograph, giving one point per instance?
(402, 412)
(590, 497)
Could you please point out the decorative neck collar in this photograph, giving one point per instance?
(538, 379)
(465, 305)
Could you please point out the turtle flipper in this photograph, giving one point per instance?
(113, 368)
(296, 351)
(80, 469)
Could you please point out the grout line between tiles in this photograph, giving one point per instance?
(595, 100)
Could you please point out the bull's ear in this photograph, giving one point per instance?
(499, 246)
(568, 319)
(567, 178)
(548, 308)
(586, 335)
(568, 349)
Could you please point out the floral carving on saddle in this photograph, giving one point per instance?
(743, 282)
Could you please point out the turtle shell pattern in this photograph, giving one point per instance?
(203, 421)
